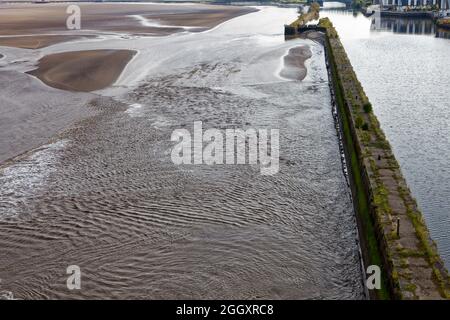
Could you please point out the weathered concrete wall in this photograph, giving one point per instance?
(408, 257)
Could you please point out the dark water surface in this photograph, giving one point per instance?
(105, 195)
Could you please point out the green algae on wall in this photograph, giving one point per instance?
(394, 234)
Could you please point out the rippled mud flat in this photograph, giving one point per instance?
(31, 112)
(105, 195)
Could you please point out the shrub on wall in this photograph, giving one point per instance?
(367, 107)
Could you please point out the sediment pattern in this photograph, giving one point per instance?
(112, 201)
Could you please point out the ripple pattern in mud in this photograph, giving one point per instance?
(140, 227)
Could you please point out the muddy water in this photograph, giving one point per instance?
(105, 195)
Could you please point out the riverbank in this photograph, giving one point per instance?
(393, 231)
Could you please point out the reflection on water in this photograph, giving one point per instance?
(357, 25)
(407, 26)
(410, 26)
(406, 77)
(442, 33)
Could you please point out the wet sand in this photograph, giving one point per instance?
(32, 110)
(36, 42)
(143, 19)
(107, 198)
(203, 19)
(82, 70)
(294, 63)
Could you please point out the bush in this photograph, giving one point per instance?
(365, 126)
(359, 122)
(367, 107)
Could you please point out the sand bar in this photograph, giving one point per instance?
(294, 63)
(82, 70)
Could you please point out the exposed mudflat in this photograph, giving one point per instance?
(32, 112)
(82, 70)
(18, 19)
(294, 63)
(36, 42)
(104, 194)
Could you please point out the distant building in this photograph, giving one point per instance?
(443, 4)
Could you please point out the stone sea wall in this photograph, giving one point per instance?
(392, 230)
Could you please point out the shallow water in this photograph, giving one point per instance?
(403, 67)
(112, 202)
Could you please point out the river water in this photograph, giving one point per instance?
(104, 195)
(403, 66)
